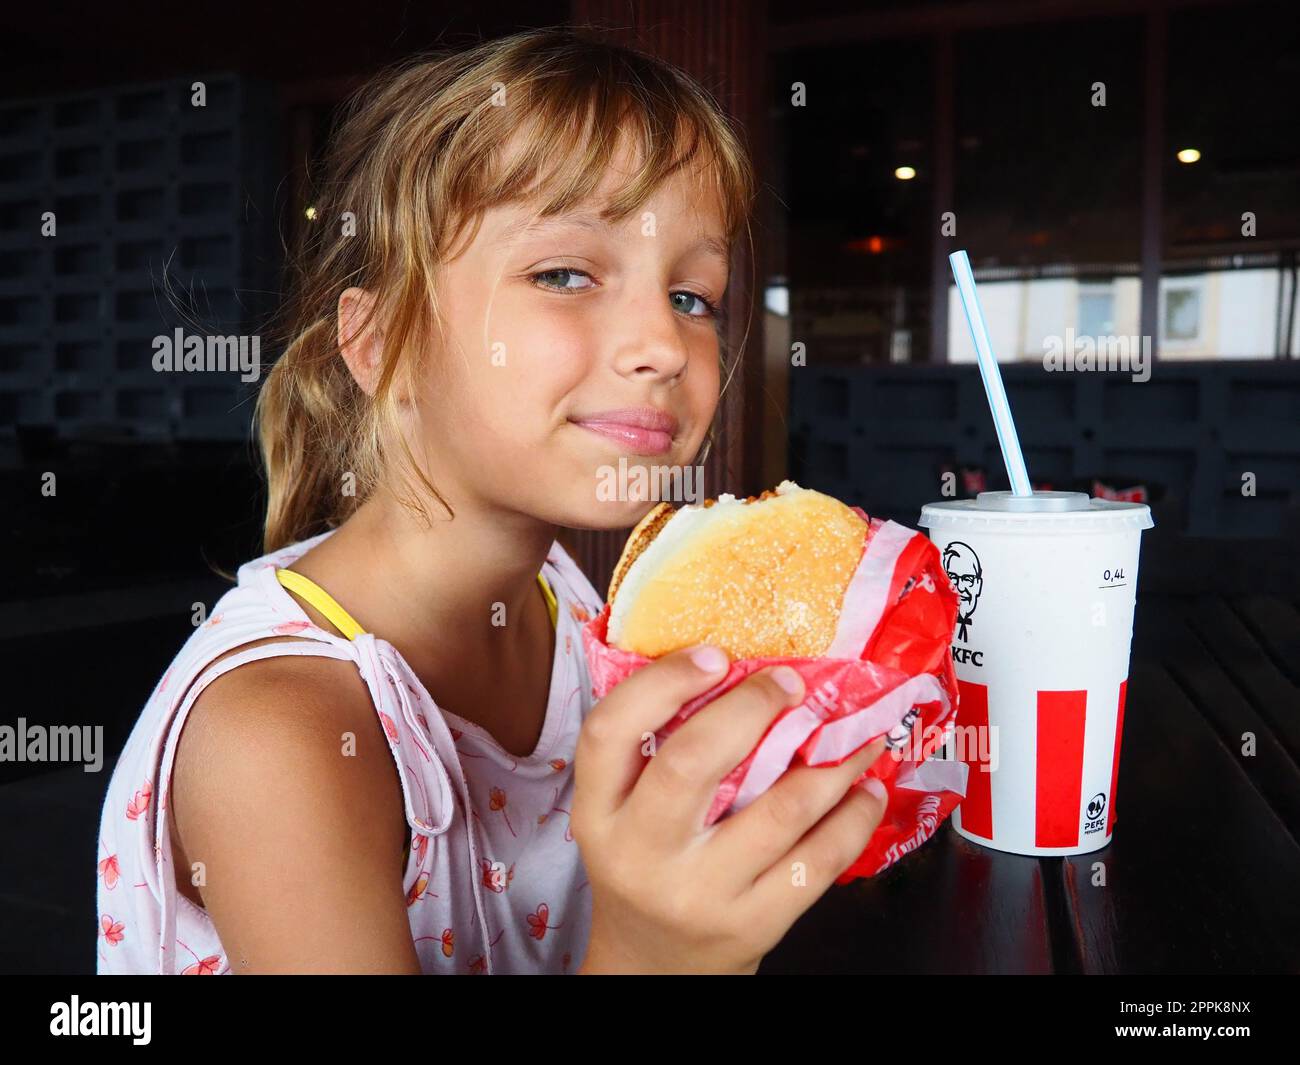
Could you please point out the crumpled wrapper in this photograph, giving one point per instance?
(888, 672)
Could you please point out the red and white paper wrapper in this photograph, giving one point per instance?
(887, 672)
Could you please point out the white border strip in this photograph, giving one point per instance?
(838, 738)
(865, 598)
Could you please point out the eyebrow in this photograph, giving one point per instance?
(594, 223)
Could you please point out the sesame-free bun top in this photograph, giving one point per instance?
(759, 577)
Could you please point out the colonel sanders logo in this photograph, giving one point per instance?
(967, 576)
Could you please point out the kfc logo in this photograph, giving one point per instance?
(967, 576)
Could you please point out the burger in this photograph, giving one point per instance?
(862, 610)
(760, 577)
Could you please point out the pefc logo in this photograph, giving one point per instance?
(1095, 813)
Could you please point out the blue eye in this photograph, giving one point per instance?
(561, 272)
(558, 279)
(708, 309)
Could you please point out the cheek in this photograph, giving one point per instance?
(512, 380)
(703, 384)
(554, 354)
(535, 361)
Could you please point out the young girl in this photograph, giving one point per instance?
(364, 761)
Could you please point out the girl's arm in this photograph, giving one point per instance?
(301, 844)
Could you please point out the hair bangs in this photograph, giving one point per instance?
(571, 130)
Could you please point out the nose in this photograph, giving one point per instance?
(647, 338)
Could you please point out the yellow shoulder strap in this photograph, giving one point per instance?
(551, 603)
(321, 600)
(345, 623)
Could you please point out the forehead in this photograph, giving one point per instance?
(685, 204)
(700, 229)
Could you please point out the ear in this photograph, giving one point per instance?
(361, 340)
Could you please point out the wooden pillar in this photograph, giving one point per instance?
(943, 185)
(1153, 171)
(722, 45)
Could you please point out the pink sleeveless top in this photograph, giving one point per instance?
(493, 878)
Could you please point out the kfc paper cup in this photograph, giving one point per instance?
(1046, 588)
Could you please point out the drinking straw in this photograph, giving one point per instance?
(997, 395)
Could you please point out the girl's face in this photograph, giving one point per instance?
(573, 347)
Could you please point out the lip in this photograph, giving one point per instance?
(641, 430)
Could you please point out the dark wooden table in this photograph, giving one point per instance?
(1203, 872)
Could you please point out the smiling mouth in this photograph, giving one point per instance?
(633, 438)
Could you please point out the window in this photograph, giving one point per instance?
(1180, 319)
(1051, 221)
(1231, 222)
(1096, 315)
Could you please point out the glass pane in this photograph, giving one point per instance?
(1232, 216)
(858, 187)
(1048, 182)
(1097, 310)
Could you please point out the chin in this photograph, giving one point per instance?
(621, 489)
(608, 515)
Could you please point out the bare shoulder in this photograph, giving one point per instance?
(285, 798)
(284, 691)
(285, 712)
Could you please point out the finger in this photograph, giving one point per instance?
(609, 756)
(801, 876)
(682, 778)
(766, 829)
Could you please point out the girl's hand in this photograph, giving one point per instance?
(668, 894)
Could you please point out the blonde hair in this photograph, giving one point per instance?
(417, 158)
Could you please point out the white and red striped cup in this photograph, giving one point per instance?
(1047, 586)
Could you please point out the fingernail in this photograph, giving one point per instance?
(788, 679)
(709, 659)
(874, 786)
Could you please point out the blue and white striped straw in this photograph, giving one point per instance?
(997, 395)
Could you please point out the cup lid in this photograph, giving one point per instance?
(1038, 503)
(1042, 510)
